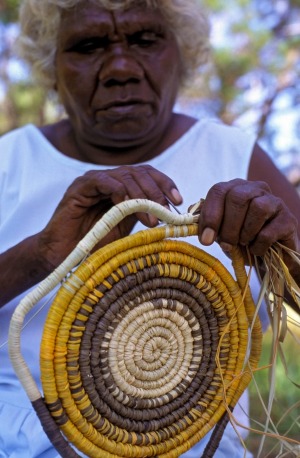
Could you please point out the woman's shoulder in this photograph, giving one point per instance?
(15, 143)
(24, 145)
(22, 139)
(212, 126)
(33, 133)
(223, 131)
(15, 134)
(214, 135)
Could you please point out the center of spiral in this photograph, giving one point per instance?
(157, 349)
(150, 351)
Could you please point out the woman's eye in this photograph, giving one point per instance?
(89, 45)
(143, 39)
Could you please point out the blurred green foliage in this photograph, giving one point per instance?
(9, 10)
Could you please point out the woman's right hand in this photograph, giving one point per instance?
(92, 195)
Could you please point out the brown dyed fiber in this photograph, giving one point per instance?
(145, 348)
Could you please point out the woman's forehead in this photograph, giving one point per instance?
(90, 14)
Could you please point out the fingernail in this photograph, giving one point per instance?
(226, 247)
(152, 220)
(208, 236)
(176, 196)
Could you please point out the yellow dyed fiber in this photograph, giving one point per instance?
(175, 260)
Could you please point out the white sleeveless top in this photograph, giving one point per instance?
(34, 176)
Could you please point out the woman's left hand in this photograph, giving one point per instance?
(246, 213)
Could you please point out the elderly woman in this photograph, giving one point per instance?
(117, 67)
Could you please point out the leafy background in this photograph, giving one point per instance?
(252, 81)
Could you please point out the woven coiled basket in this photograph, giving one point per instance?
(148, 345)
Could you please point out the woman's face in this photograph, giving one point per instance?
(117, 74)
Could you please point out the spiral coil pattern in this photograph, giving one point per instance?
(144, 347)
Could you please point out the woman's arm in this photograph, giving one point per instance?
(83, 204)
(21, 267)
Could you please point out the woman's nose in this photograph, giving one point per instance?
(119, 67)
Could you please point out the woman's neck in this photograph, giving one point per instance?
(61, 135)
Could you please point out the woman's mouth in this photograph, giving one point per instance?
(125, 108)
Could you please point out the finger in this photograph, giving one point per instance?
(120, 184)
(282, 228)
(156, 186)
(212, 212)
(240, 204)
(139, 185)
(166, 185)
(98, 185)
(109, 186)
(225, 209)
(144, 182)
(261, 210)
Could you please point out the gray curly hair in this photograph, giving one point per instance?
(39, 22)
